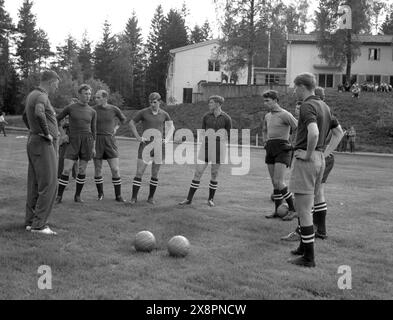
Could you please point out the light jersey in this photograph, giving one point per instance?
(2, 119)
(278, 124)
(39, 96)
(82, 119)
(106, 119)
(151, 121)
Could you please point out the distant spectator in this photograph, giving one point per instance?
(3, 122)
(344, 141)
(351, 139)
(347, 87)
(340, 87)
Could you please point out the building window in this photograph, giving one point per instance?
(374, 54)
(373, 78)
(325, 80)
(214, 65)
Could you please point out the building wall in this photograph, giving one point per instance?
(190, 67)
(302, 58)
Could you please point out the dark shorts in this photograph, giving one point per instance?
(278, 151)
(80, 147)
(106, 147)
(213, 153)
(329, 166)
(151, 156)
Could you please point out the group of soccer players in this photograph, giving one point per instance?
(92, 136)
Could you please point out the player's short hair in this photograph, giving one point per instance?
(217, 99)
(84, 87)
(320, 92)
(103, 93)
(271, 94)
(49, 75)
(306, 79)
(154, 96)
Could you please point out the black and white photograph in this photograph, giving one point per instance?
(196, 155)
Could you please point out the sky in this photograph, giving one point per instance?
(59, 18)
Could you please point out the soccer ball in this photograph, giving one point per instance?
(144, 241)
(282, 210)
(178, 246)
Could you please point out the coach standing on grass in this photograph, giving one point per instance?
(40, 118)
(309, 164)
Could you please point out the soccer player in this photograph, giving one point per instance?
(40, 118)
(217, 120)
(309, 162)
(82, 121)
(106, 147)
(277, 125)
(154, 118)
(3, 122)
(320, 207)
(62, 149)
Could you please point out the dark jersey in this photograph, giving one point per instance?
(39, 96)
(82, 119)
(151, 121)
(106, 119)
(313, 109)
(223, 121)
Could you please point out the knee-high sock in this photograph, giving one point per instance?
(100, 185)
(319, 217)
(212, 189)
(193, 188)
(288, 197)
(63, 182)
(135, 187)
(153, 187)
(117, 186)
(80, 182)
(307, 234)
(277, 198)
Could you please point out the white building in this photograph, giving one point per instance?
(375, 63)
(192, 64)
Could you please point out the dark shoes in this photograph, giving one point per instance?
(151, 201)
(272, 216)
(210, 203)
(320, 235)
(78, 199)
(120, 199)
(303, 262)
(59, 199)
(100, 197)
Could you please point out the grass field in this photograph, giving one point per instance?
(236, 253)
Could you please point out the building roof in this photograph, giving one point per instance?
(195, 45)
(364, 38)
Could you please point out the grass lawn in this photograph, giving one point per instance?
(236, 253)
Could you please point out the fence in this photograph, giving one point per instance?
(233, 91)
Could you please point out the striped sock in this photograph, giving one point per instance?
(193, 188)
(319, 217)
(100, 185)
(135, 187)
(80, 182)
(212, 189)
(288, 197)
(153, 187)
(278, 198)
(307, 234)
(63, 182)
(117, 186)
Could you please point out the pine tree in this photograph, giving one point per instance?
(43, 49)
(200, 34)
(387, 26)
(85, 58)
(67, 58)
(104, 55)
(6, 30)
(27, 39)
